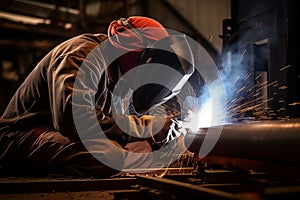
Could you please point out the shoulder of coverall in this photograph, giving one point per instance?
(80, 45)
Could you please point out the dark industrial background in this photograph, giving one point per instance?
(30, 28)
(250, 160)
(264, 30)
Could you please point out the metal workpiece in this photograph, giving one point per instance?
(272, 141)
(181, 190)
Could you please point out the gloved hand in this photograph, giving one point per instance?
(176, 129)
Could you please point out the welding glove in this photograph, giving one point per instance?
(158, 131)
(176, 130)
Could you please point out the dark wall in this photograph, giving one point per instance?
(266, 31)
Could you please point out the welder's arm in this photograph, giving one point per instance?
(73, 83)
(61, 77)
(158, 131)
(75, 115)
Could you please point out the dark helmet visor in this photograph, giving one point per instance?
(173, 52)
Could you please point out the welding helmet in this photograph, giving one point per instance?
(170, 64)
(158, 51)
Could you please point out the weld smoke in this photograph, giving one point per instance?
(232, 73)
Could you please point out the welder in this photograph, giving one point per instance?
(39, 131)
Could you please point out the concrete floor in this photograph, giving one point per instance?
(30, 188)
(81, 195)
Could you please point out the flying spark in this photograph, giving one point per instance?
(285, 67)
(294, 104)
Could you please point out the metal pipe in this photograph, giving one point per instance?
(272, 141)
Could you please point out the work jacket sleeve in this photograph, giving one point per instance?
(74, 83)
(61, 77)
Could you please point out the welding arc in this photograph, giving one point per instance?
(274, 141)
